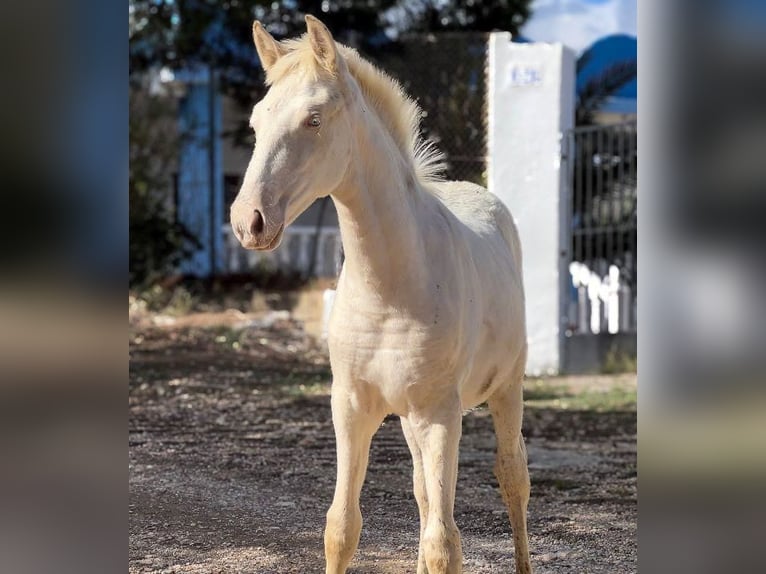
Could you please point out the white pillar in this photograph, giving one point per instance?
(531, 103)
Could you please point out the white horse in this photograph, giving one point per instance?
(428, 320)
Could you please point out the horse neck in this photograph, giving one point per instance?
(379, 206)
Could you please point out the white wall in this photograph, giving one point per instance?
(531, 102)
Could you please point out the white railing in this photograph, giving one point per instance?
(600, 304)
(294, 254)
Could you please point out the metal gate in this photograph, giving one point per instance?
(602, 169)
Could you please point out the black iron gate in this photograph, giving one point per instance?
(602, 170)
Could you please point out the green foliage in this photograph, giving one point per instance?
(465, 15)
(157, 241)
(595, 92)
(177, 34)
(617, 361)
(219, 32)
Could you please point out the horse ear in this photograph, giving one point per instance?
(322, 44)
(269, 50)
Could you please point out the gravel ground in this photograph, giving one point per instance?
(232, 462)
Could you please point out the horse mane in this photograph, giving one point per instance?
(399, 112)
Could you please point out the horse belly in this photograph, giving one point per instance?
(499, 358)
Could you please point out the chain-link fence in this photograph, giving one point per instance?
(446, 74)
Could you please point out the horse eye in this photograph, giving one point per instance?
(314, 121)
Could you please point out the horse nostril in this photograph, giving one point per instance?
(257, 226)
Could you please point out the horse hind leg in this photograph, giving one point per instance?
(511, 470)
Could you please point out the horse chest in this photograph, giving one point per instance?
(392, 354)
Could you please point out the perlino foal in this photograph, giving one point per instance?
(428, 320)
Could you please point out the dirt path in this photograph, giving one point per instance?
(232, 464)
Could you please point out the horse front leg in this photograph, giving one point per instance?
(355, 420)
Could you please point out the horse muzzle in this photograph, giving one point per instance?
(257, 231)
